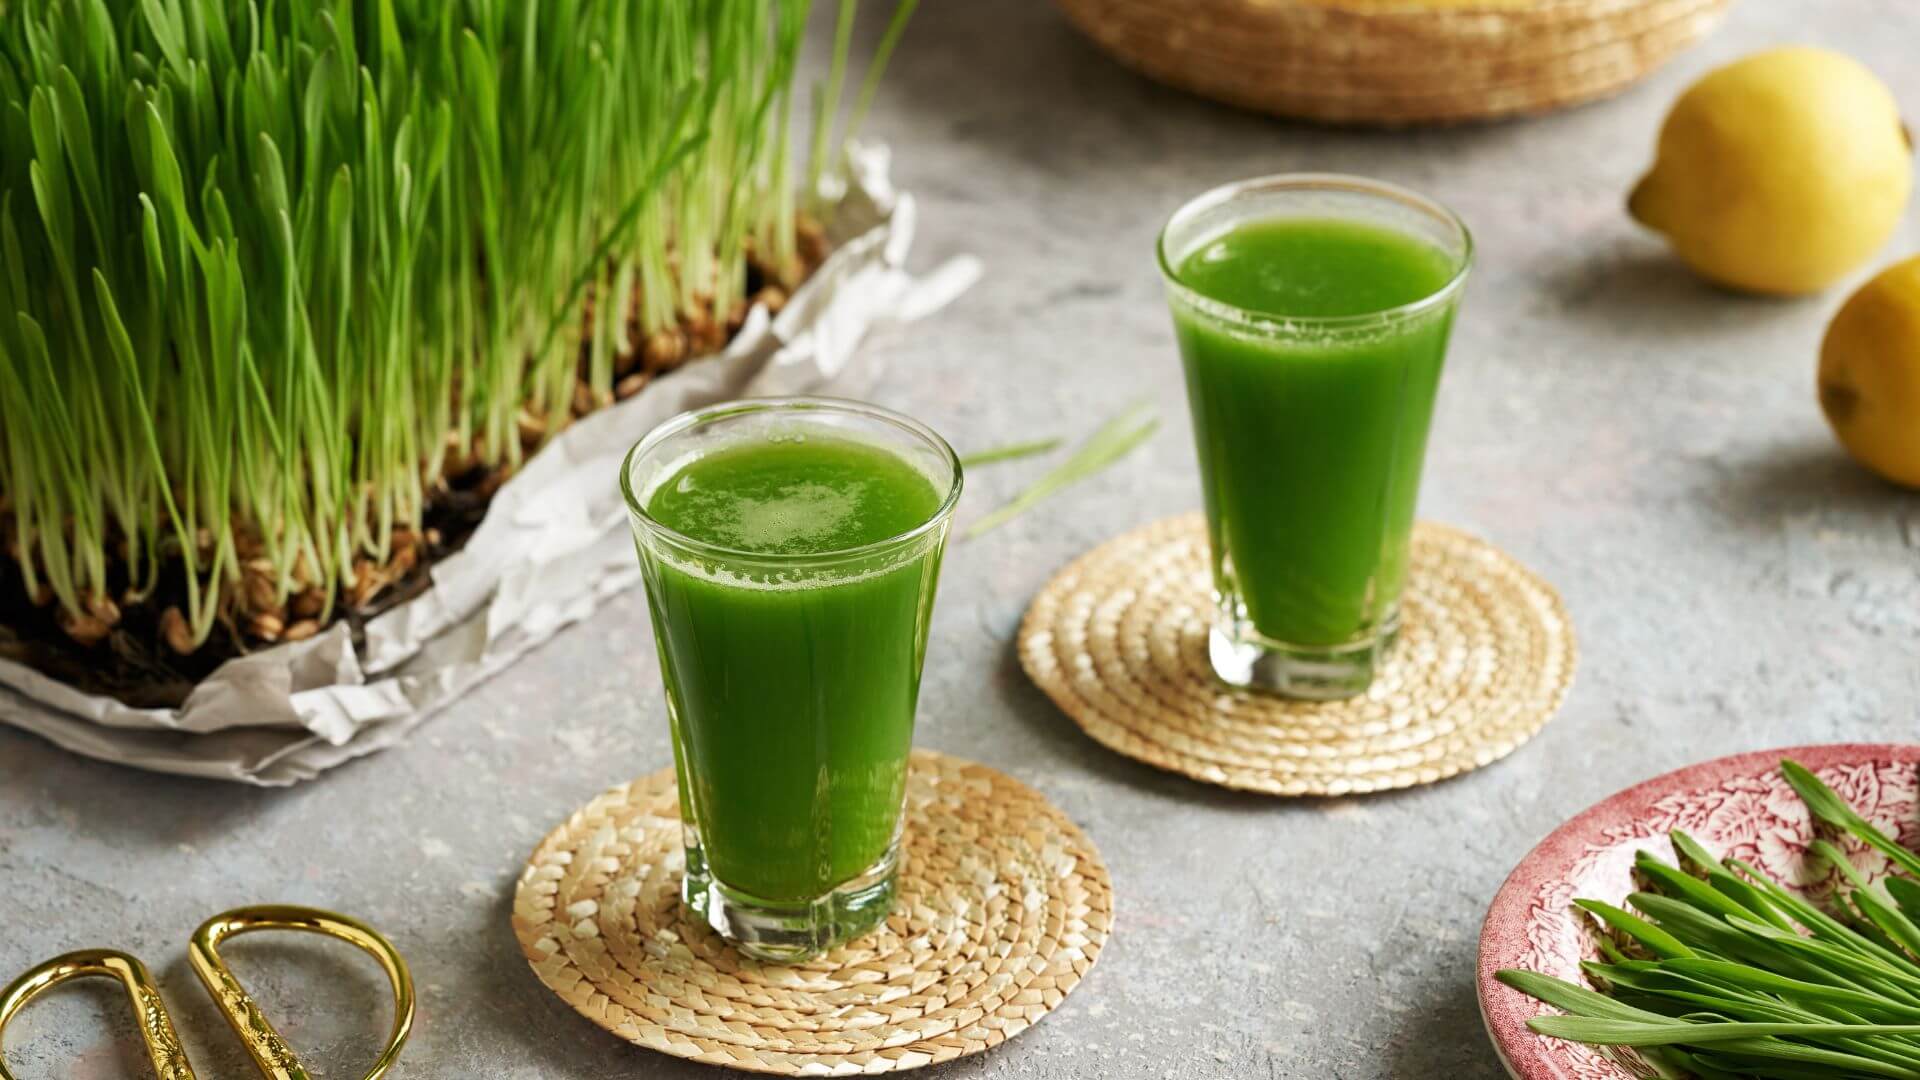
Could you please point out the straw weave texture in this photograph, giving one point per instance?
(1396, 62)
(1119, 641)
(1004, 906)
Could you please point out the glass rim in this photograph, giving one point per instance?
(1314, 181)
(693, 418)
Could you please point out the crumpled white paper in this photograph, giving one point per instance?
(552, 546)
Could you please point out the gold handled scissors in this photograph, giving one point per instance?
(270, 1052)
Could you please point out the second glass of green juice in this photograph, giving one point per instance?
(790, 549)
(1312, 313)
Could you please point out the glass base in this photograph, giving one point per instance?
(789, 931)
(1242, 657)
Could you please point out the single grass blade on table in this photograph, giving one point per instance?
(1010, 452)
(1103, 449)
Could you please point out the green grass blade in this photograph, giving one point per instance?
(1833, 810)
(1686, 887)
(1010, 452)
(870, 87)
(1693, 856)
(1103, 449)
(1614, 1032)
(1654, 939)
(1574, 999)
(1906, 893)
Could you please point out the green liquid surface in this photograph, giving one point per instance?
(1311, 443)
(808, 496)
(792, 688)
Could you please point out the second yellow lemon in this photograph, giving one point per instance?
(1781, 172)
(1870, 374)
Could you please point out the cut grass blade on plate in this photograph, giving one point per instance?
(1724, 974)
(1833, 810)
(1103, 449)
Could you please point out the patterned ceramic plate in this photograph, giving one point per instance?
(1735, 806)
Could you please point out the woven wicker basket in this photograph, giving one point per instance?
(1396, 61)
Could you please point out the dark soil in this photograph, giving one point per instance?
(135, 666)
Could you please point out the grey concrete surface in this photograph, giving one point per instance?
(1649, 444)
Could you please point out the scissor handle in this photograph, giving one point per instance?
(156, 1027)
(270, 1052)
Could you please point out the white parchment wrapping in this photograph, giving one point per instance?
(552, 546)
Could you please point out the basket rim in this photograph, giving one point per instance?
(1396, 67)
(1287, 11)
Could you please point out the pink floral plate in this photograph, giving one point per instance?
(1736, 806)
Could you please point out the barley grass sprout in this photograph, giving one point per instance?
(273, 271)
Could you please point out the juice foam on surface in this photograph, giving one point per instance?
(1315, 268)
(795, 495)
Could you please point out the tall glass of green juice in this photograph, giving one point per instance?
(1312, 313)
(790, 549)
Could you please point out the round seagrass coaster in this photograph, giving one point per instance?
(1119, 640)
(1004, 906)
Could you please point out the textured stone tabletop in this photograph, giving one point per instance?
(1650, 445)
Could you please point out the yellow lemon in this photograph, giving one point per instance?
(1870, 374)
(1779, 173)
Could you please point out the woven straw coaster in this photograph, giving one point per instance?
(1004, 906)
(1119, 640)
